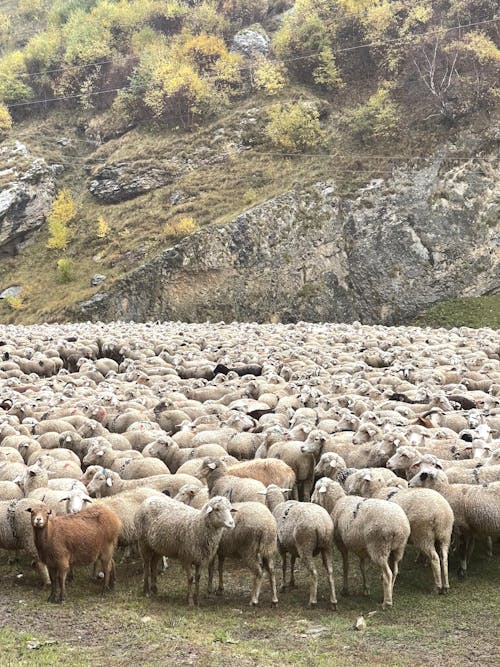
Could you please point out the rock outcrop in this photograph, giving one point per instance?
(124, 180)
(26, 192)
(396, 247)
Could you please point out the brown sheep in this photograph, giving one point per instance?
(75, 539)
(267, 471)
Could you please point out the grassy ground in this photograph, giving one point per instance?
(125, 629)
(475, 312)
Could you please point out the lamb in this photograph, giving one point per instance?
(72, 540)
(267, 471)
(169, 528)
(431, 522)
(304, 530)
(221, 483)
(254, 541)
(371, 528)
(476, 509)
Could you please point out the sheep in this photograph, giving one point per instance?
(173, 456)
(193, 466)
(10, 454)
(192, 495)
(76, 539)
(329, 465)
(431, 522)
(10, 491)
(476, 509)
(267, 471)
(303, 530)
(169, 528)
(477, 475)
(9, 471)
(16, 533)
(108, 483)
(371, 528)
(300, 456)
(221, 483)
(254, 541)
(354, 482)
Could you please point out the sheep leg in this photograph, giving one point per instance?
(345, 568)
(313, 588)
(220, 564)
(153, 572)
(394, 558)
(387, 584)
(489, 547)
(283, 562)
(190, 580)
(62, 574)
(431, 553)
(44, 573)
(466, 547)
(443, 549)
(326, 557)
(197, 577)
(210, 580)
(53, 584)
(269, 567)
(363, 565)
(256, 569)
(292, 571)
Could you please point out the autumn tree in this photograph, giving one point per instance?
(63, 211)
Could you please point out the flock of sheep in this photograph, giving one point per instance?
(203, 442)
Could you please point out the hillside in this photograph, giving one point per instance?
(157, 120)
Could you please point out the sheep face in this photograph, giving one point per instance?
(39, 515)
(218, 512)
(425, 478)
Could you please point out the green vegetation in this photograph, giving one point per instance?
(125, 629)
(475, 312)
(148, 81)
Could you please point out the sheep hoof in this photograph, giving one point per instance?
(312, 605)
(386, 606)
(219, 591)
(461, 573)
(274, 603)
(253, 603)
(333, 606)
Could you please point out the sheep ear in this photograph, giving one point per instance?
(109, 481)
(28, 509)
(210, 509)
(233, 510)
(262, 493)
(100, 453)
(367, 478)
(63, 499)
(333, 464)
(322, 489)
(212, 466)
(87, 499)
(285, 490)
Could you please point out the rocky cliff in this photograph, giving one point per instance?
(26, 192)
(427, 233)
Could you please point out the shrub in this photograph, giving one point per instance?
(102, 228)
(378, 118)
(5, 120)
(62, 212)
(269, 77)
(15, 302)
(180, 228)
(294, 126)
(30, 9)
(64, 270)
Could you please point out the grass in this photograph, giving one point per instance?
(474, 312)
(126, 629)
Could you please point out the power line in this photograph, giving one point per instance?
(242, 68)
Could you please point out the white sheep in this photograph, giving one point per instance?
(169, 528)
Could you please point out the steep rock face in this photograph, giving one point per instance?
(121, 181)
(394, 248)
(26, 193)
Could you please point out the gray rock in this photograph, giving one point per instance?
(13, 290)
(395, 247)
(63, 141)
(118, 182)
(250, 42)
(25, 199)
(97, 279)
